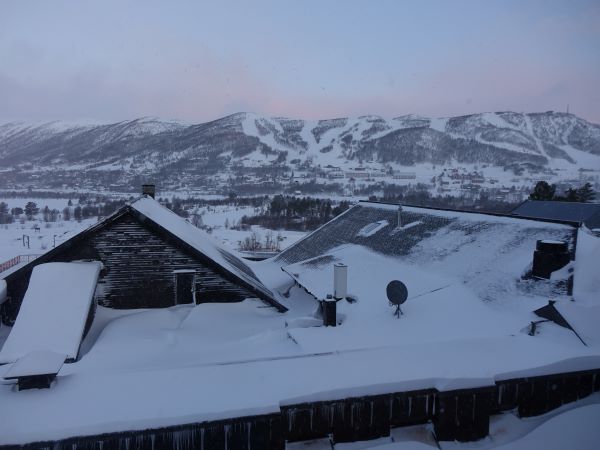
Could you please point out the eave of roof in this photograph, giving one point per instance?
(510, 215)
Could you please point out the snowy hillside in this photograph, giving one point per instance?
(118, 155)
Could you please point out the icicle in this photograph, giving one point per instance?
(249, 428)
(226, 428)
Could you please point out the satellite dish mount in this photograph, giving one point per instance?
(397, 293)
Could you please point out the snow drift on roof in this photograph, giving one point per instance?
(54, 310)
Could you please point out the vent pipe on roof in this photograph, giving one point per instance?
(149, 190)
(340, 281)
(329, 310)
(399, 216)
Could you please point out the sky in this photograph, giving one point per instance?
(197, 61)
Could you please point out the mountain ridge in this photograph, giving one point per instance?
(150, 147)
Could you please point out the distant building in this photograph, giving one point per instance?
(404, 175)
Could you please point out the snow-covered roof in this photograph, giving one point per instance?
(488, 253)
(42, 362)
(200, 241)
(466, 275)
(54, 310)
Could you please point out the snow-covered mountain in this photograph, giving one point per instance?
(56, 154)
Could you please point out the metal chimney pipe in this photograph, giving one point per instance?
(399, 216)
(340, 281)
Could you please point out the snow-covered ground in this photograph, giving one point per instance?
(11, 236)
(222, 218)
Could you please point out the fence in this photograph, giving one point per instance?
(16, 261)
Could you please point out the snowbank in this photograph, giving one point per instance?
(54, 310)
(577, 428)
(573, 428)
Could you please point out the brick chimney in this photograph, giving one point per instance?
(149, 190)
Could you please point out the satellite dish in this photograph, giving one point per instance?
(397, 293)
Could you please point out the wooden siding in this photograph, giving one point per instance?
(139, 269)
(139, 261)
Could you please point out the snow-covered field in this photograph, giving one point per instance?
(11, 236)
(222, 218)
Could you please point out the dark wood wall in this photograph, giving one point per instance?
(139, 265)
(139, 261)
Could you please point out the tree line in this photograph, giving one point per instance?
(296, 213)
(31, 211)
(545, 191)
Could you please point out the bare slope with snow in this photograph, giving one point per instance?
(117, 153)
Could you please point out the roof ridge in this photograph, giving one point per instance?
(463, 211)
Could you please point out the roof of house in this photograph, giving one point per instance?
(589, 213)
(204, 244)
(375, 225)
(467, 274)
(488, 253)
(42, 362)
(149, 211)
(54, 310)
